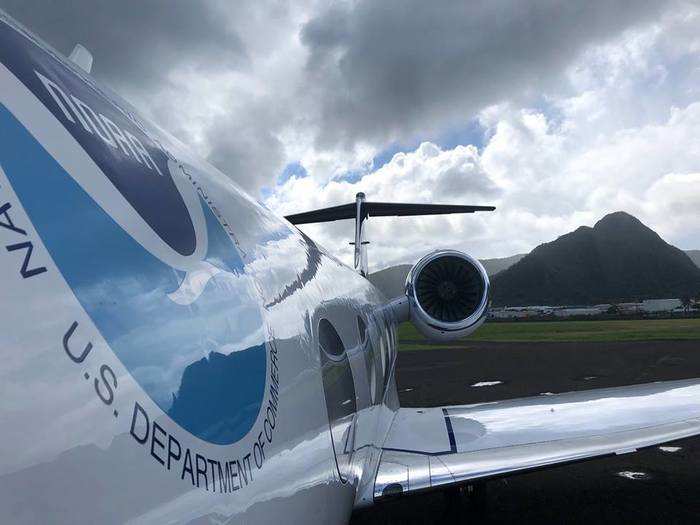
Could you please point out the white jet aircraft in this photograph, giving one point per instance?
(173, 352)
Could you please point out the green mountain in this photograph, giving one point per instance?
(694, 256)
(493, 266)
(391, 280)
(619, 259)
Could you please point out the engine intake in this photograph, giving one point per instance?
(448, 295)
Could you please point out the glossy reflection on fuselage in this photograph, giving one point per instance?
(199, 306)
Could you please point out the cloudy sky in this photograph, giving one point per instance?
(557, 112)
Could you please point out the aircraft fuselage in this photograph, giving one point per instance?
(173, 350)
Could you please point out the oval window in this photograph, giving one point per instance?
(339, 391)
(329, 340)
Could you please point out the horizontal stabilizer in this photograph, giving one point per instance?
(335, 213)
(362, 209)
(380, 209)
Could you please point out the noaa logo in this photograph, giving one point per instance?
(180, 313)
(150, 259)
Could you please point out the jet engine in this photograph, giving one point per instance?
(448, 295)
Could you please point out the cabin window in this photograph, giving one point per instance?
(339, 391)
(329, 340)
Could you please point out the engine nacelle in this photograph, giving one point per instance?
(448, 295)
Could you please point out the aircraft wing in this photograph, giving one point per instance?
(433, 447)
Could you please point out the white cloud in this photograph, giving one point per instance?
(426, 174)
(588, 109)
(620, 135)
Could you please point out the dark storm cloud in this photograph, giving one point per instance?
(386, 70)
(377, 72)
(135, 42)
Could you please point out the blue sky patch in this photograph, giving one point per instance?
(293, 169)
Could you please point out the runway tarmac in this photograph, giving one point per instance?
(657, 485)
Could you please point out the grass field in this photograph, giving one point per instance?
(565, 331)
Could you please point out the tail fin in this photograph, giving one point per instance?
(361, 209)
(380, 209)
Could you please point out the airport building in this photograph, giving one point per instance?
(648, 306)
